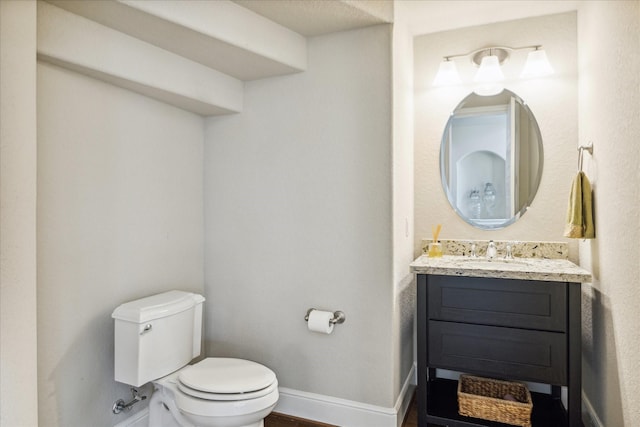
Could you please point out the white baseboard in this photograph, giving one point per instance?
(326, 409)
(139, 419)
(343, 412)
(406, 394)
(588, 409)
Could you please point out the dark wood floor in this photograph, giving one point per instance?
(280, 420)
(411, 420)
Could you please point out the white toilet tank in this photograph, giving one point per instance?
(156, 335)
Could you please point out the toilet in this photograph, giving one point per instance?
(155, 340)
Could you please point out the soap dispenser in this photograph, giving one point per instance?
(491, 250)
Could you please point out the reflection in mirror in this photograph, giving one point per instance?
(491, 159)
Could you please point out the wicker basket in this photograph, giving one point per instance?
(484, 398)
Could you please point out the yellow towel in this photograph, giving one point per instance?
(580, 212)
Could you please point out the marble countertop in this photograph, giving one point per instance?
(551, 270)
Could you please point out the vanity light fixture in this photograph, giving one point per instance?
(537, 64)
(490, 76)
(489, 60)
(447, 74)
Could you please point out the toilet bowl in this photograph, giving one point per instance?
(216, 392)
(155, 340)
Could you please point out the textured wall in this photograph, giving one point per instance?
(119, 217)
(298, 215)
(18, 380)
(609, 42)
(553, 101)
(402, 188)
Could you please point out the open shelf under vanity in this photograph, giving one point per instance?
(442, 408)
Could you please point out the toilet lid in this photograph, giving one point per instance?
(227, 376)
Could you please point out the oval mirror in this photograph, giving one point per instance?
(491, 159)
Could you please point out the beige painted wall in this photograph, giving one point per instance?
(553, 101)
(119, 217)
(609, 41)
(18, 342)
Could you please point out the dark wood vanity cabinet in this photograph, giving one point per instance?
(519, 330)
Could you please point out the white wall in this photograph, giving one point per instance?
(403, 208)
(120, 216)
(18, 338)
(298, 214)
(609, 42)
(553, 101)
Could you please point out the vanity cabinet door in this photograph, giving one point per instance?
(499, 302)
(499, 351)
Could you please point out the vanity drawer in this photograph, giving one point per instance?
(503, 352)
(499, 302)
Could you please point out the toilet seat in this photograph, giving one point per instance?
(226, 379)
(201, 411)
(227, 396)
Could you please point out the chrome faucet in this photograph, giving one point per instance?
(492, 251)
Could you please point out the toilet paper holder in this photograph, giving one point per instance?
(338, 316)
